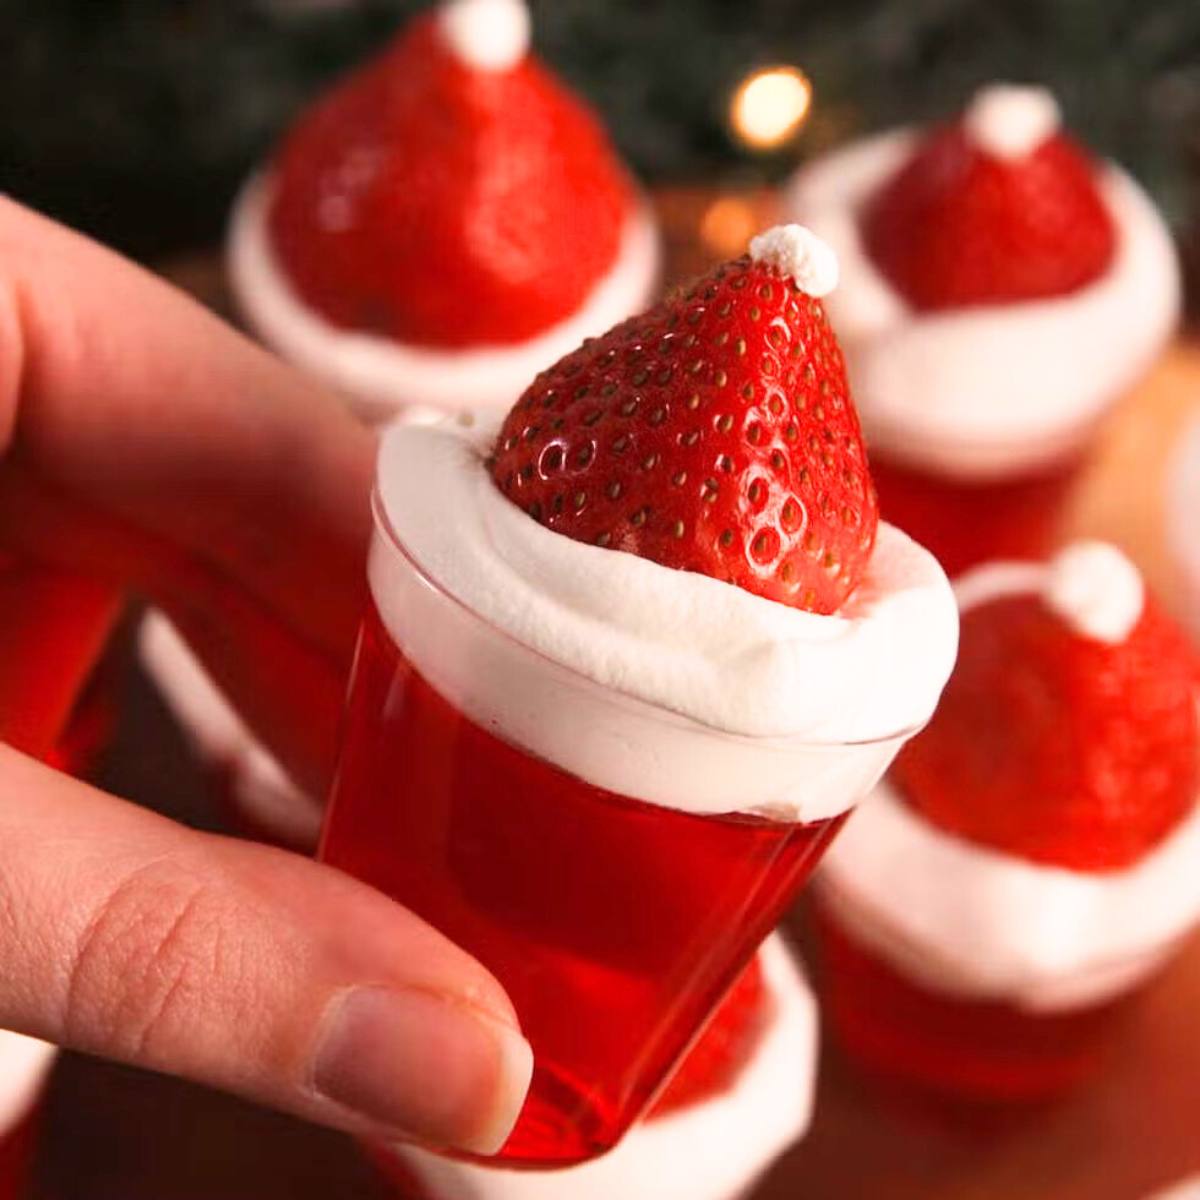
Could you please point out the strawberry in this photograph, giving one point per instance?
(723, 1049)
(965, 221)
(435, 202)
(1060, 748)
(715, 433)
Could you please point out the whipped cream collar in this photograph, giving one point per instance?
(751, 700)
(987, 391)
(706, 649)
(379, 375)
(713, 1150)
(974, 922)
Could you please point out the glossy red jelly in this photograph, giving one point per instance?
(903, 1034)
(16, 1157)
(91, 726)
(616, 926)
(53, 628)
(963, 523)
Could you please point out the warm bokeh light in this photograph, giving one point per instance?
(769, 106)
(727, 225)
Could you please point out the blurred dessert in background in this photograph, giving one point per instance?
(1000, 291)
(1031, 858)
(443, 223)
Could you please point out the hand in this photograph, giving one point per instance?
(146, 442)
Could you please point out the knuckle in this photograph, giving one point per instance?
(154, 955)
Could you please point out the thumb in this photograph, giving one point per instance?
(125, 935)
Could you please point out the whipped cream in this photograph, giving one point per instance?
(1096, 590)
(972, 921)
(1010, 122)
(713, 1150)
(378, 375)
(25, 1064)
(659, 684)
(261, 788)
(1182, 516)
(489, 35)
(988, 391)
(1090, 585)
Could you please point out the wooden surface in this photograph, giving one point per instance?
(116, 1134)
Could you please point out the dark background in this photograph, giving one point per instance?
(135, 119)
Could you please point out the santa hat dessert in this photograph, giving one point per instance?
(740, 1099)
(1031, 857)
(442, 224)
(24, 1066)
(1000, 287)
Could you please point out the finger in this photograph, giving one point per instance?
(121, 396)
(246, 968)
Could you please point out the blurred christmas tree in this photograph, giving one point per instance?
(136, 118)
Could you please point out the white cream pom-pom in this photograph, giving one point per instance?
(489, 35)
(1096, 590)
(797, 252)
